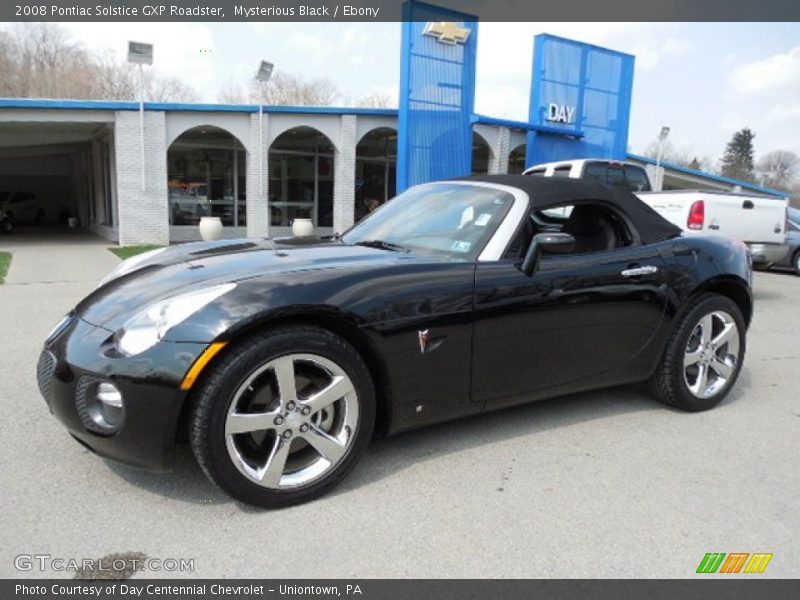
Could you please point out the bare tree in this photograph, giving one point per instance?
(283, 89)
(669, 153)
(287, 89)
(701, 163)
(38, 60)
(376, 100)
(778, 168)
(231, 93)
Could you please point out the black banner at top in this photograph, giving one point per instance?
(391, 10)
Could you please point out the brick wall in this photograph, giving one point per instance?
(344, 184)
(257, 209)
(498, 164)
(142, 213)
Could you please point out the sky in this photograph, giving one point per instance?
(704, 80)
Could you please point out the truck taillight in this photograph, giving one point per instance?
(697, 215)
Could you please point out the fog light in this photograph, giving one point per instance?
(109, 395)
(100, 405)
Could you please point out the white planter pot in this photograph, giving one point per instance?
(302, 228)
(210, 228)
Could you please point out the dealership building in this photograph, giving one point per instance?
(148, 177)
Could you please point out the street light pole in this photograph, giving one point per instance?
(261, 140)
(141, 123)
(262, 77)
(141, 54)
(662, 137)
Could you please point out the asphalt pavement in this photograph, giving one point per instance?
(603, 484)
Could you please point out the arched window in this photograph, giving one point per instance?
(480, 155)
(376, 170)
(301, 178)
(516, 159)
(206, 176)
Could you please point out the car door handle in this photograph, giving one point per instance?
(639, 271)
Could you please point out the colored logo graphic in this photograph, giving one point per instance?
(736, 562)
(446, 32)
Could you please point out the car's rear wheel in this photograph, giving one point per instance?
(703, 357)
(796, 262)
(283, 416)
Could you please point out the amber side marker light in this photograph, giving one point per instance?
(200, 364)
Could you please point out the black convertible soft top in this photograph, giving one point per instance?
(547, 192)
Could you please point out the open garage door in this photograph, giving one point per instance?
(56, 173)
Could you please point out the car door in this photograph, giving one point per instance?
(578, 320)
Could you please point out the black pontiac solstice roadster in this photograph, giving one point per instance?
(278, 359)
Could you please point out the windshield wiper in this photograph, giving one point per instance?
(382, 245)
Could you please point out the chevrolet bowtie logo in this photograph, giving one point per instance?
(447, 32)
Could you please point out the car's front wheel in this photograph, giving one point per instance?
(283, 416)
(703, 357)
(796, 262)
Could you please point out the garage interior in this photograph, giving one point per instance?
(58, 171)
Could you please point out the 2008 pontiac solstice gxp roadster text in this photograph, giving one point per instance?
(278, 360)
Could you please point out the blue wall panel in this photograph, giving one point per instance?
(437, 94)
(584, 93)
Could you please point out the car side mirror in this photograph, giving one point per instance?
(546, 243)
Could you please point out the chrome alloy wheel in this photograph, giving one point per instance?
(711, 353)
(292, 421)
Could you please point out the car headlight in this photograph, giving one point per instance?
(130, 264)
(148, 327)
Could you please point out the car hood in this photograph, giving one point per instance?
(193, 266)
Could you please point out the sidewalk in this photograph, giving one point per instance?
(57, 256)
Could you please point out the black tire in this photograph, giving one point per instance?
(668, 384)
(227, 374)
(6, 226)
(796, 263)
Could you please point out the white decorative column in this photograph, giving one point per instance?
(258, 178)
(142, 210)
(498, 165)
(344, 168)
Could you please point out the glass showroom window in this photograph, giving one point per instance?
(480, 155)
(301, 178)
(516, 160)
(376, 170)
(206, 176)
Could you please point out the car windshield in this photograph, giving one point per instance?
(451, 219)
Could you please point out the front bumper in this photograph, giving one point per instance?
(767, 254)
(81, 354)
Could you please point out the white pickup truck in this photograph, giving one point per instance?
(759, 221)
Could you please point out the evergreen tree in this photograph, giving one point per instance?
(737, 162)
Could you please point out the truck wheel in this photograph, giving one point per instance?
(703, 357)
(283, 416)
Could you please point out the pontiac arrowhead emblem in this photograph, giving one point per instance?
(424, 338)
(447, 32)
